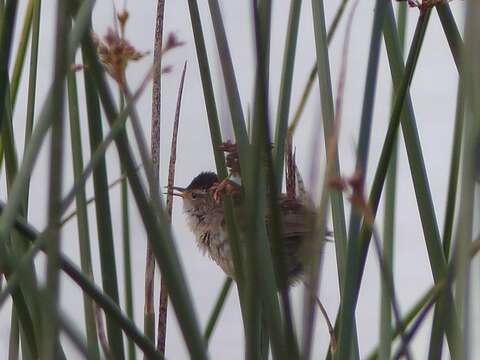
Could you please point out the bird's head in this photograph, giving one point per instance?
(196, 193)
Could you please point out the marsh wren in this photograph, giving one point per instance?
(205, 217)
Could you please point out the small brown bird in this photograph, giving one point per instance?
(205, 217)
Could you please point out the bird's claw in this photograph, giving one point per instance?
(226, 186)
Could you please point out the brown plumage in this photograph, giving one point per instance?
(205, 217)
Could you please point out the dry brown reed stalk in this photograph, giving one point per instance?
(115, 53)
(163, 303)
(102, 336)
(155, 150)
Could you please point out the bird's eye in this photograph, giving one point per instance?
(194, 196)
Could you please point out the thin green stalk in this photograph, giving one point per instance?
(400, 94)
(454, 174)
(313, 73)
(438, 328)
(273, 194)
(421, 186)
(32, 77)
(283, 108)
(260, 269)
(414, 153)
(233, 96)
(212, 320)
(14, 340)
(216, 139)
(19, 186)
(347, 306)
(103, 212)
(20, 269)
(8, 137)
(396, 63)
(97, 156)
(17, 245)
(326, 98)
(97, 295)
(16, 200)
(21, 50)
(127, 263)
(264, 8)
(6, 36)
(29, 339)
(154, 220)
(451, 31)
(470, 78)
(51, 304)
(408, 318)
(385, 344)
(82, 216)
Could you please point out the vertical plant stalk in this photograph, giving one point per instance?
(230, 81)
(51, 311)
(417, 167)
(385, 342)
(20, 56)
(17, 247)
(32, 77)
(6, 37)
(127, 262)
(16, 206)
(456, 47)
(162, 307)
(438, 327)
(320, 219)
(212, 321)
(470, 77)
(86, 285)
(347, 307)
(313, 72)
(153, 218)
(326, 99)
(149, 312)
(283, 108)
(81, 211)
(127, 259)
(102, 205)
(264, 316)
(216, 140)
(13, 344)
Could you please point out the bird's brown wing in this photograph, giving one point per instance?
(295, 232)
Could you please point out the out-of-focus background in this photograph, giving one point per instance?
(433, 93)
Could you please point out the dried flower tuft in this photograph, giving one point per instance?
(172, 42)
(115, 54)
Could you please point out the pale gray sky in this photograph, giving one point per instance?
(433, 93)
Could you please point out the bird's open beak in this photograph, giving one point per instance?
(180, 189)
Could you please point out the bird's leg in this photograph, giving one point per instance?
(226, 186)
(333, 340)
